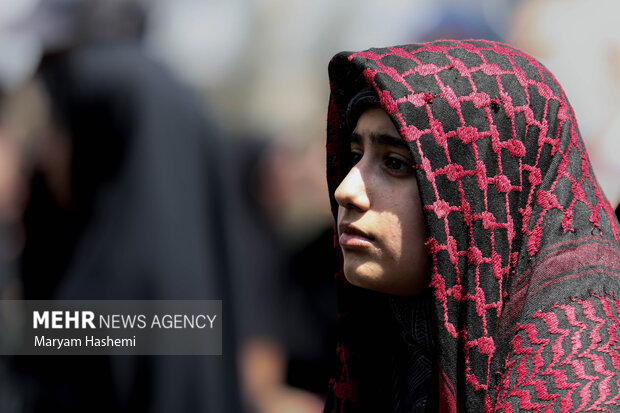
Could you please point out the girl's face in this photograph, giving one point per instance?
(380, 219)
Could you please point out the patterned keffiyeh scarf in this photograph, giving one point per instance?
(524, 247)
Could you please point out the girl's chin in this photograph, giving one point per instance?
(366, 275)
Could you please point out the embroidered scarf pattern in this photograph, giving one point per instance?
(524, 245)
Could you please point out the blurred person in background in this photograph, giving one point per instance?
(126, 201)
(283, 290)
(23, 121)
(12, 163)
(9, 224)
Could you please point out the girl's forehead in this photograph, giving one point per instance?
(375, 120)
(376, 128)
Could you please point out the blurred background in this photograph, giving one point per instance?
(174, 149)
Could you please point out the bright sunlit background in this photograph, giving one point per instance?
(261, 64)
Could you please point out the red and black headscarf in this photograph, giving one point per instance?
(523, 244)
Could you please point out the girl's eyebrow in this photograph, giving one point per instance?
(381, 139)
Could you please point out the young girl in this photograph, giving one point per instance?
(480, 259)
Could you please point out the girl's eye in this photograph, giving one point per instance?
(398, 166)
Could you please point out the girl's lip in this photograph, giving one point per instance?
(351, 240)
(352, 237)
(353, 230)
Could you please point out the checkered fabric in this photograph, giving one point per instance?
(523, 244)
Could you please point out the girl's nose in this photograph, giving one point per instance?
(351, 193)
